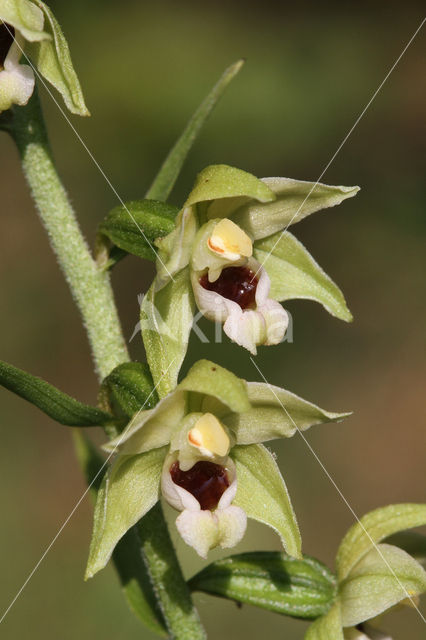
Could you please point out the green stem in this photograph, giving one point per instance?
(92, 292)
(176, 603)
(89, 285)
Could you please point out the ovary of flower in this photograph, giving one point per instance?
(229, 241)
(209, 437)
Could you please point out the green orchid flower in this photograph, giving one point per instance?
(232, 254)
(373, 576)
(31, 28)
(200, 448)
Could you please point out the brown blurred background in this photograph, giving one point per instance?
(310, 71)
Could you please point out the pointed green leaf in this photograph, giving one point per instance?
(166, 321)
(270, 580)
(295, 274)
(135, 226)
(374, 527)
(275, 413)
(382, 578)
(207, 378)
(129, 388)
(263, 495)
(25, 17)
(128, 491)
(294, 200)
(328, 627)
(127, 555)
(221, 181)
(53, 60)
(54, 403)
(167, 176)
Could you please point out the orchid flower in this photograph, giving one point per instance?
(373, 576)
(30, 28)
(200, 448)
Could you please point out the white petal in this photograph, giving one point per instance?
(16, 80)
(232, 523)
(276, 321)
(212, 305)
(176, 496)
(246, 328)
(199, 529)
(228, 495)
(264, 283)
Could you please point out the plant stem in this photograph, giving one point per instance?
(91, 289)
(89, 285)
(164, 568)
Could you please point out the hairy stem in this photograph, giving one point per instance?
(89, 285)
(91, 289)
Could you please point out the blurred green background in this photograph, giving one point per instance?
(310, 71)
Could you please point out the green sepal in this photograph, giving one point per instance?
(166, 321)
(293, 201)
(383, 577)
(128, 491)
(270, 580)
(275, 413)
(219, 181)
(210, 379)
(175, 248)
(412, 542)
(169, 171)
(134, 227)
(53, 60)
(129, 388)
(328, 627)
(127, 555)
(294, 274)
(374, 527)
(262, 494)
(50, 400)
(25, 17)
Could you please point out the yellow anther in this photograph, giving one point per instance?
(209, 436)
(229, 241)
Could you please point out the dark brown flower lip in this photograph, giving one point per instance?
(206, 481)
(7, 34)
(238, 284)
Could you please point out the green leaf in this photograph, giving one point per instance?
(53, 60)
(270, 580)
(127, 555)
(25, 17)
(128, 491)
(207, 378)
(382, 578)
(328, 627)
(374, 527)
(54, 403)
(275, 413)
(262, 493)
(412, 542)
(221, 181)
(167, 176)
(166, 321)
(294, 200)
(295, 274)
(128, 389)
(134, 227)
